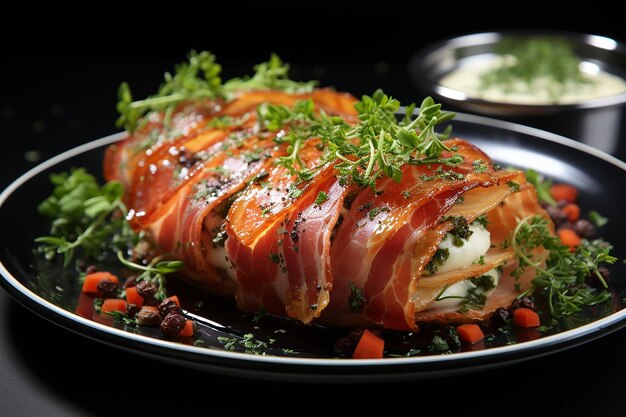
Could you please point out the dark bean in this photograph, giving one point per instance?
(169, 307)
(172, 325)
(524, 302)
(147, 290)
(343, 346)
(107, 288)
(91, 269)
(354, 336)
(562, 203)
(148, 316)
(131, 310)
(130, 282)
(557, 215)
(500, 316)
(584, 228)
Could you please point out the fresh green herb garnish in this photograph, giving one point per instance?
(479, 166)
(154, 272)
(460, 231)
(274, 257)
(482, 220)
(562, 279)
(484, 282)
(480, 261)
(199, 78)
(437, 260)
(441, 173)
(248, 342)
(539, 63)
(542, 186)
(321, 198)
(119, 316)
(379, 144)
(514, 186)
(438, 344)
(357, 300)
(597, 219)
(86, 216)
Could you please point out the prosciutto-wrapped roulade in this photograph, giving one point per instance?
(427, 243)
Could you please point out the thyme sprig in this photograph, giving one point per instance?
(561, 277)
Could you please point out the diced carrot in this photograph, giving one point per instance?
(133, 297)
(187, 330)
(470, 333)
(174, 298)
(113, 304)
(569, 238)
(370, 346)
(572, 211)
(564, 192)
(525, 317)
(90, 285)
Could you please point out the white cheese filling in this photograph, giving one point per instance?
(463, 256)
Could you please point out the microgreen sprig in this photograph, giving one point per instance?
(199, 78)
(379, 144)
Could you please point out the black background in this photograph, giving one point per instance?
(60, 71)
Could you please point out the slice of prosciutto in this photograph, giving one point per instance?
(206, 189)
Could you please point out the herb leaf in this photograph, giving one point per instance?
(199, 78)
(84, 216)
(562, 279)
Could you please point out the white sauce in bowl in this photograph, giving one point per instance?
(467, 80)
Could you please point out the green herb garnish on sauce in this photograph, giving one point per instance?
(538, 62)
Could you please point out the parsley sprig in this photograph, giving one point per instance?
(197, 79)
(84, 216)
(562, 279)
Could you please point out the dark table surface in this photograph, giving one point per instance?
(55, 103)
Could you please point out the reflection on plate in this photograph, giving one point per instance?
(294, 351)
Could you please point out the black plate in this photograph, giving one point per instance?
(599, 177)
